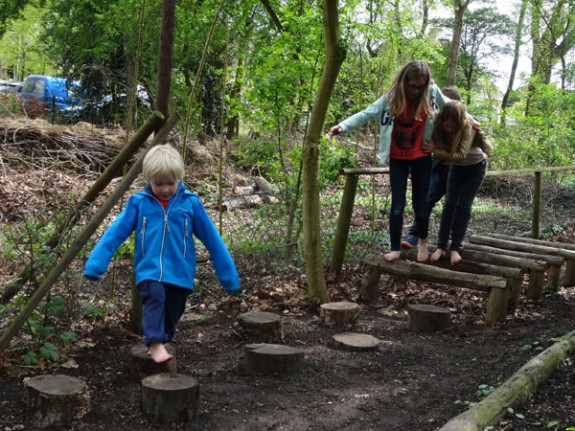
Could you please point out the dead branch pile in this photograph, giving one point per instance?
(37, 144)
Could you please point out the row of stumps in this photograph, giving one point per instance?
(171, 397)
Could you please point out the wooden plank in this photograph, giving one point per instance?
(548, 259)
(522, 246)
(421, 271)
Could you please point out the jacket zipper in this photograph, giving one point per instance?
(143, 234)
(186, 223)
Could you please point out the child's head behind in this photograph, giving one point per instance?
(163, 163)
(449, 124)
(451, 92)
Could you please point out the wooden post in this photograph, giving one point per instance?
(344, 222)
(369, 286)
(536, 206)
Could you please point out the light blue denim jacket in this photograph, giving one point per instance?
(380, 109)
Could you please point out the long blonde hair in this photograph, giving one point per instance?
(451, 111)
(396, 97)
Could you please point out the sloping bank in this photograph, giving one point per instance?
(517, 388)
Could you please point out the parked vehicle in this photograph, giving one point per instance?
(10, 86)
(58, 93)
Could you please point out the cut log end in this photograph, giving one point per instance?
(356, 342)
(427, 318)
(142, 365)
(261, 326)
(170, 397)
(55, 401)
(272, 358)
(340, 314)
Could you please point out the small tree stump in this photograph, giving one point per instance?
(170, 397)
(272, 358)
(142, 365)
(340, 314)
(261, 326)
(357, 342)
(427, 318)
(55, 400)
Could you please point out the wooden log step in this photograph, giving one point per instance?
(55, 401)
(340, 314)
(421, 271)
(558, 255)
(272, 358)
(569, 275)
(426, 318)
(170, 397)
(497, 287)
(553, 263)
(470, 265)
(142, 365)
(261, 326)
(356, 342)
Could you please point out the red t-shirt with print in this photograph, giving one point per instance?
(407, 136)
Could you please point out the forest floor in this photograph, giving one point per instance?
(411, 382)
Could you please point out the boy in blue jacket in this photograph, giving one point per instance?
(164, 216)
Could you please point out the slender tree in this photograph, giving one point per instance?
(334, 57)
(459, 9)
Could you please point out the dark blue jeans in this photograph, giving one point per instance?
(463, 183)
(399, 171)
(164, 305)
(437, 187)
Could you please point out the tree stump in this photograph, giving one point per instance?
(272, 358)
(356, 342)
(427, 318)
(261, 327)
(55, 400)
(143, 366)
(170, 397)
(340, 314)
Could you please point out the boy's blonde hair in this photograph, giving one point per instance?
(163, 163)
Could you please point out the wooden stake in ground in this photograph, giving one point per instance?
(519, 387)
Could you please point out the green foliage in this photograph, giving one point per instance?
(68, 337)
(544, 138)
(483, 391)
(49, 352)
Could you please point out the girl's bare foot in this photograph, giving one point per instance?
(392, 255)
(455, 257)
(438, 254)
(159, 353)
(422, 251)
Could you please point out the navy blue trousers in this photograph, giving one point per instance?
(399, 171)
(164, 305)
(437, 187)
(463, 183)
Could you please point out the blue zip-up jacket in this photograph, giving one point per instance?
(380, 110)
(165, 249)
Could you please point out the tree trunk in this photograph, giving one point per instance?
(459, 8)
(518, 33)
(335, 55)
(165, 59)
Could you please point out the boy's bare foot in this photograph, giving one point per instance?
(392, 255)
(455, 257)
(158, 353)
(422, 251)
(438, 254)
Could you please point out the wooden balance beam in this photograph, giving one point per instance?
(497, 287)
(569, 274)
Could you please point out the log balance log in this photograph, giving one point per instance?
(142, 365)
(170, 397)
(489, 264)
(554, 260)
(272, 358)
(55, 401)
(339, 314)
(569, 273)
(497, 287)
